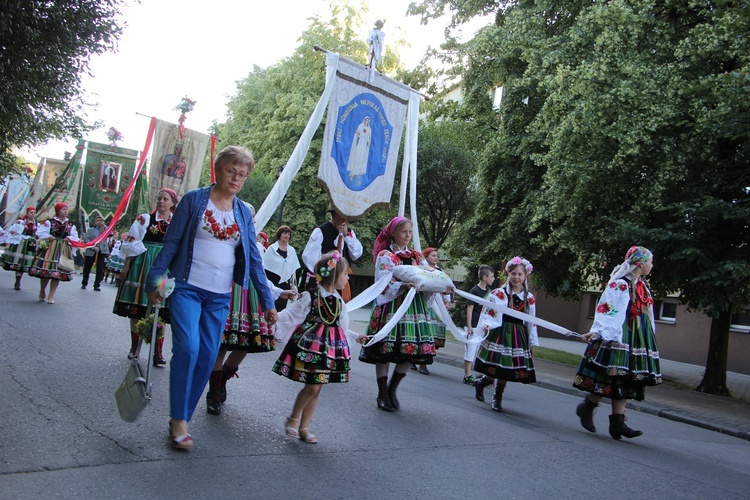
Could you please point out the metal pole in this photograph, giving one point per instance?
(281, 207)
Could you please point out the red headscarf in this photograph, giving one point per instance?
(428, 251)
(172, 194)
(60, 206)
(265, 239)
(29, 209)
(383, 241)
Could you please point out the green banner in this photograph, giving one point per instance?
(138, 202)
(108, 172)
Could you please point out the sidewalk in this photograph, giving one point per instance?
(674, 399)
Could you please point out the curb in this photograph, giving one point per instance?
(648, 408)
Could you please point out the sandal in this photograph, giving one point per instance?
(183, 442)
(292, 431)
(304, 435)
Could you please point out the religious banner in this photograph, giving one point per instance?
(361, 141)
(18, 190)
(176, 161)
(106, 175)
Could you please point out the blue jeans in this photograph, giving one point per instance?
(197, 317)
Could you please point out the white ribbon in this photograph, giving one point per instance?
(518, 314)
(369, 294)
(443, 315)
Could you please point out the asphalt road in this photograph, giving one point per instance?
(61, 435)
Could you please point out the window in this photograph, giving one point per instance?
(496, 95)
(665, 311)
(741, 321)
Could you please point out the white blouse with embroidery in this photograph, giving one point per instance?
(494, 319)
(611, 311)
(43, 230)
(134, 244)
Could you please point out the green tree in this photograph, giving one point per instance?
(622, 123)
(45, 48)
(445, 191)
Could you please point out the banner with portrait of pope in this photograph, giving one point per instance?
(363, 131)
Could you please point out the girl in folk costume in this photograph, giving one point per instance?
(139, 251)
(246, 331)
(318, 352)
(116, 261)
(21, 239)
(431, 256)
(57, 234)
(412, 340)
(506, 354)
(621, 358)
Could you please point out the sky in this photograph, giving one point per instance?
(172, 49)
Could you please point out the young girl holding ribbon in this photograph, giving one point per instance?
(506, 353)
(621, 358)
(411, 339)
(318, 351)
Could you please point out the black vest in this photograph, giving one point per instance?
(329, 240)
(156, 230)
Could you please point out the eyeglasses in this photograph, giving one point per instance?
(241, 176)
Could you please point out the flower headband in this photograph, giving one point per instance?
(325, 271)
(519, 261)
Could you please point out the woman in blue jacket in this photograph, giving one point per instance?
(209, 245)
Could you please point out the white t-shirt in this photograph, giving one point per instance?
(213, 251)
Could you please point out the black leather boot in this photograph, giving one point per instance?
(226, 374)
(384, 402)
(585, 412)
(395, 380)
(497, 397)
(479, 385)
(17, 286)
(618, 427)
(213, 405)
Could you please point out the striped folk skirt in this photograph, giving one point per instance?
(316, 354)
(20, 257)
(44, 265)
(246, 328)
(131, 300)
(622, 370)
(411, 341)
(505, 354)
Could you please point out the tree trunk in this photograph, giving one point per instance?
(715, 377)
